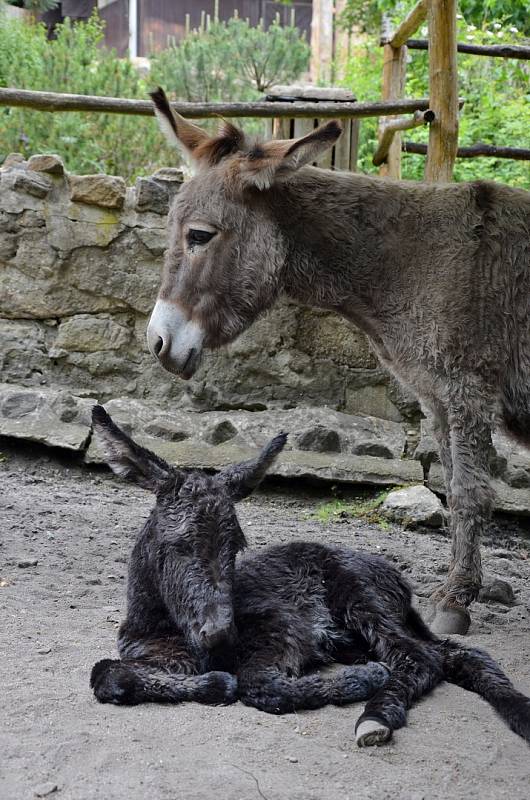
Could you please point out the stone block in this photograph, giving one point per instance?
(151, 196)
(32, 183)
(87, 333)
(49, 162)
(107, 191)
(38, 415)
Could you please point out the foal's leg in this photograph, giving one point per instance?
(271, 678)
(470, 420)
(416, 668)
(158, 671)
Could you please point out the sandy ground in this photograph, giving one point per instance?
(60, 615)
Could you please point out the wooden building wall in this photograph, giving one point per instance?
(161, 20)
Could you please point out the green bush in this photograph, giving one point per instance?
(495, 112)
(229, 61)
(76, 63)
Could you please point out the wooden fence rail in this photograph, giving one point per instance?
(493, 50)
(474, 151)
(54, 102)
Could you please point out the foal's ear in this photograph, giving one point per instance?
(125, 457)
(242, 479)
(276, 160)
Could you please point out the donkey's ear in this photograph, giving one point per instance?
(276, 160)
(177, 130)
(125, 457)
(242, 479)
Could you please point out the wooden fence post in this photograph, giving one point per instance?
(394, 68)
(321, 41)
(443, 89)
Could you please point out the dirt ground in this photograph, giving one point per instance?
(65, 537)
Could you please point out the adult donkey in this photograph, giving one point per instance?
(437, 276)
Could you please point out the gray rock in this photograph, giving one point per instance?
(151, 196)
(38, 416)
(24, 563)
(415, 505)
(497, 591)
(164, 429)
(45, 789)
(506, 498)
(19, 404)
(32, 183)
(326, 467)
(221, 432)
(319, 439)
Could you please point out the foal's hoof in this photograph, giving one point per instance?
(217, 688)
(371, 732)
(113, 682)
(450, 619)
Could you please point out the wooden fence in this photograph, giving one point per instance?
(444, 103)
(439, 111)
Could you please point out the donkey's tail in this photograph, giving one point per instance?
(276, 693)
(515, 396)
(476, 671)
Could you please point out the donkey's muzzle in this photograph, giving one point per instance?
(175, 340)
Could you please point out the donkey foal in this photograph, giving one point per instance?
(196, 619)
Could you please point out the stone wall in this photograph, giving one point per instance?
(80, 258)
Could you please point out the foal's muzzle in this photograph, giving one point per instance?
(218, 638)
(174, 340)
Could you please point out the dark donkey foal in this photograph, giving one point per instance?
(196, 618)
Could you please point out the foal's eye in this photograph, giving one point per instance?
(198, 236)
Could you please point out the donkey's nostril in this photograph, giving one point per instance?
(158, 345)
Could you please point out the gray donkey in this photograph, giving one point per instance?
(207, 626)
(437, 276)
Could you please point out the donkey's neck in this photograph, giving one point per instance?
(340, 229)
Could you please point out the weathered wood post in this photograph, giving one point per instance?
(343, 155)
(320, 66)
(443, 90)
(394, 73)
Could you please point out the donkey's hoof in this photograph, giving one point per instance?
(372, 732)
(450, 619)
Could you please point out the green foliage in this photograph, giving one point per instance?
(495, 112)
(366, 14)
(75, 62)
(230, 60)
(363, 507)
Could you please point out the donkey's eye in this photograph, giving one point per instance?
(198, 236)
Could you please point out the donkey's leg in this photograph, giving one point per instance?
(470, 420)
(158, 670)
(442, 434)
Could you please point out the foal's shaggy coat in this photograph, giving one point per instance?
(204, 626)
